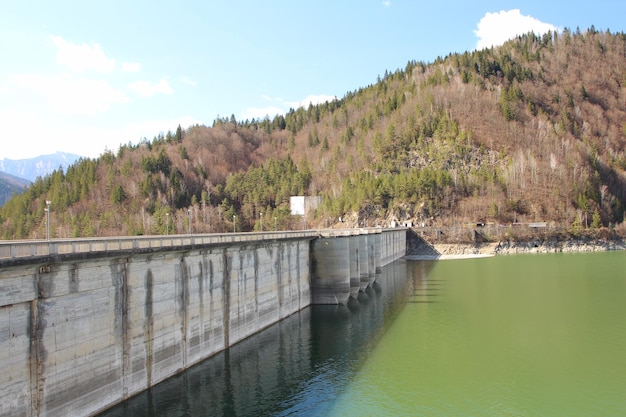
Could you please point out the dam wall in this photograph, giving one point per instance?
(86, 328)
(344, 265)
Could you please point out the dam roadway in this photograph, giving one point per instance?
(88, 323)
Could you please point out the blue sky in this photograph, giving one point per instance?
(85, 76)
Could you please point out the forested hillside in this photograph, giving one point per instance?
(532, 131)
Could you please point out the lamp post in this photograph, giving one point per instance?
(234, 224)
(167, 223)
(275, 228)
(47, 209)
(189, 211)
(261, 222)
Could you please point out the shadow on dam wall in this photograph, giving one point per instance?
(90, 323)
(316, 350)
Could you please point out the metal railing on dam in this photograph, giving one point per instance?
(24, 249)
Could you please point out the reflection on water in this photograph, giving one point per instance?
(299, 366)
(524, 335)
(534, 335)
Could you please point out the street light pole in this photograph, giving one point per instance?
(261, 222)
(234, 224)
(48, 202)
(189, 211)
(167, 223)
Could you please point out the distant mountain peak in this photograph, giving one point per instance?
(39, 166)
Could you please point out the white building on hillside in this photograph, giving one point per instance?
(301, 205)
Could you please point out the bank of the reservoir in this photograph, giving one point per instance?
(533, 246)
(420, 248)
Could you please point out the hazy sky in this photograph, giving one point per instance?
(85, 76)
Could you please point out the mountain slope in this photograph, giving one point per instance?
(532, 131)
(10, 185)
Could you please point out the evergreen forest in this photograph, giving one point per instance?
(531, 131)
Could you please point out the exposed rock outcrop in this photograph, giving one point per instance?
(508, 247)
(551, 246)
(420, 247)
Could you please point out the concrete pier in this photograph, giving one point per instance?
(355, 274)
(86, 324)
(344, 266)
(330, 267)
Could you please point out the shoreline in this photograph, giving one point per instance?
(446, 257)
(449, 251)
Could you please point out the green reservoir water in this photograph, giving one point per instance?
(531, 335)
(523, 335)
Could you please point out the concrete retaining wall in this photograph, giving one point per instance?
(81, 332)
(343, 266)
(77, 337)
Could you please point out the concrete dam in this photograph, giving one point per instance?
(88, 323)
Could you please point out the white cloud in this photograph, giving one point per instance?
(25, 142)
(131, 67)
(262, 112)
(150, 128)
(82, 57)
(148, 88)
(112, 138)
(496, 28)
(312, 99)
(188, 81)
(271, 111)
(45, 136)
(72, 96)
(75, 90)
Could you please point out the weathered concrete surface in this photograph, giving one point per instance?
(393, 245)
(77, 337)
(81, 332)
(15, 344)
(355, 274)
(345, 266)
(330, 270)
(364, 271)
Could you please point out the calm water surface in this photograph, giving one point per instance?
(525, 335)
